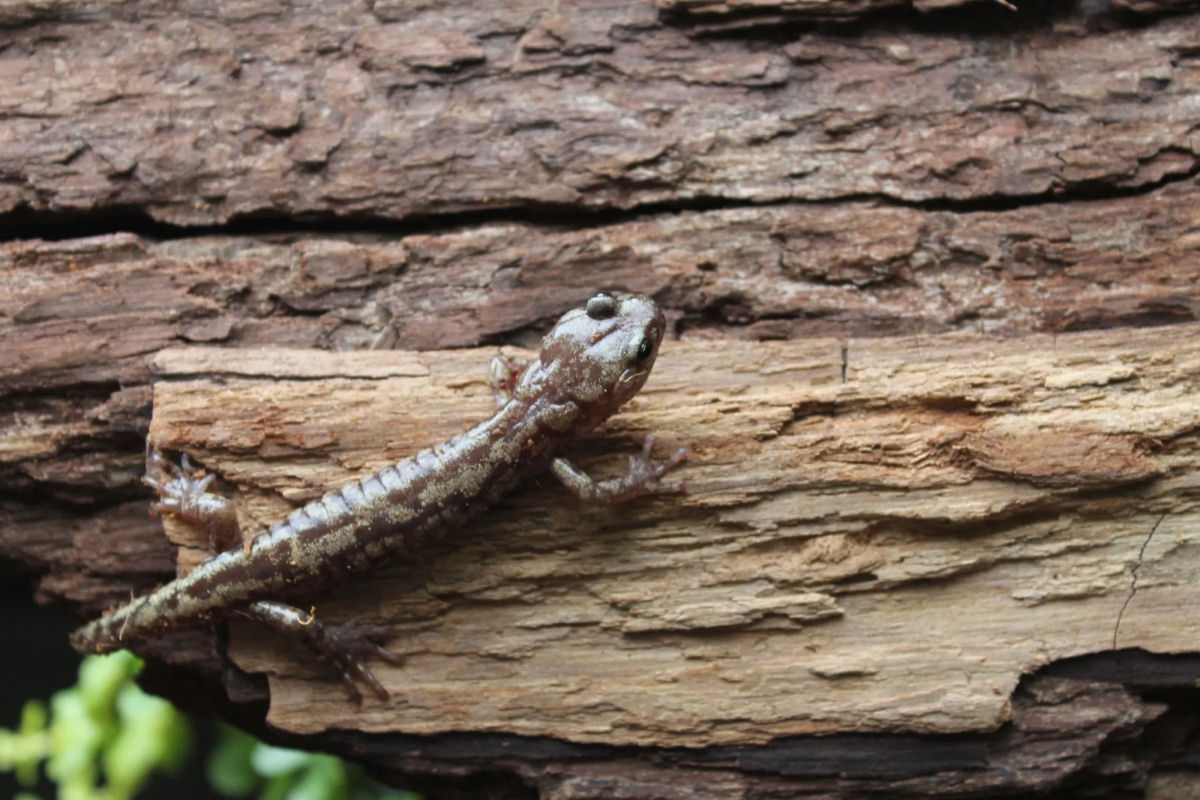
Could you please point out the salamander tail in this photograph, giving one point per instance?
(105, 634)
(131, 623)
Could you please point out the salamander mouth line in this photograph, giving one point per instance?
(630, 375)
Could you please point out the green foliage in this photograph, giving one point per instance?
(102, 738)
(241, 766)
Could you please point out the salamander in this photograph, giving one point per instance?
(592, 361)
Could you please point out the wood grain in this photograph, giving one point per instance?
(394, 111)
(922, 547)
(887, 553)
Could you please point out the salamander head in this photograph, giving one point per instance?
(599, 356)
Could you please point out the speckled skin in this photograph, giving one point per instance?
(591, 363)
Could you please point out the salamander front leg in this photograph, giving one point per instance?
(503, 373)
(643, 477)
(344, 645)
(183, 493)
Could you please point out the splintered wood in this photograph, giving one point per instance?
(885, 551)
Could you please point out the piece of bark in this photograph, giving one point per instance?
(395, 112)
(709, 14)
(432, 171)
(93, 310)
(80, 318)
(887, 553)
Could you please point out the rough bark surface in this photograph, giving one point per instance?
(933, 275)
(888, 552)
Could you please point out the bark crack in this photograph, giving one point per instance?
(1133, 578)
(52, 225)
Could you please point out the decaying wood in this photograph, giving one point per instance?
(962, 570)
(888, 552)
(392, 111)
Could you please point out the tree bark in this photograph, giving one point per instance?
(931, 274)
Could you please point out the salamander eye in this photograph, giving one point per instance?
(645, 349)
(602, 306)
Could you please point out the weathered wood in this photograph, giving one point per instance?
(739, 14)
(80, 318)
(887, 553)
(457, 175)
(393, 111)
(87, 314)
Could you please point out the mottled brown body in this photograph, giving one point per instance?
(592, 362)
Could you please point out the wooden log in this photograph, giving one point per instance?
(887, 551)
(329, 175)
(395, 112)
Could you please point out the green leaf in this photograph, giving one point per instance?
(278, 787)
(229, 769)
(366, 789)
(23, 750)
(271, 761)
(325, 779)
(75, 739)
(33, 718)
(101, 677)
(151, 736)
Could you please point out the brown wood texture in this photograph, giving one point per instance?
(885, 553)
(933, 277)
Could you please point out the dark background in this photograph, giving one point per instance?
(39, 662)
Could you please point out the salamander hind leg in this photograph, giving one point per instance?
(644, 477)
(345, 646)
(183, 492)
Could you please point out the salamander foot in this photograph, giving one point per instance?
(644, 477)
(183, 492)
(345, 646)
